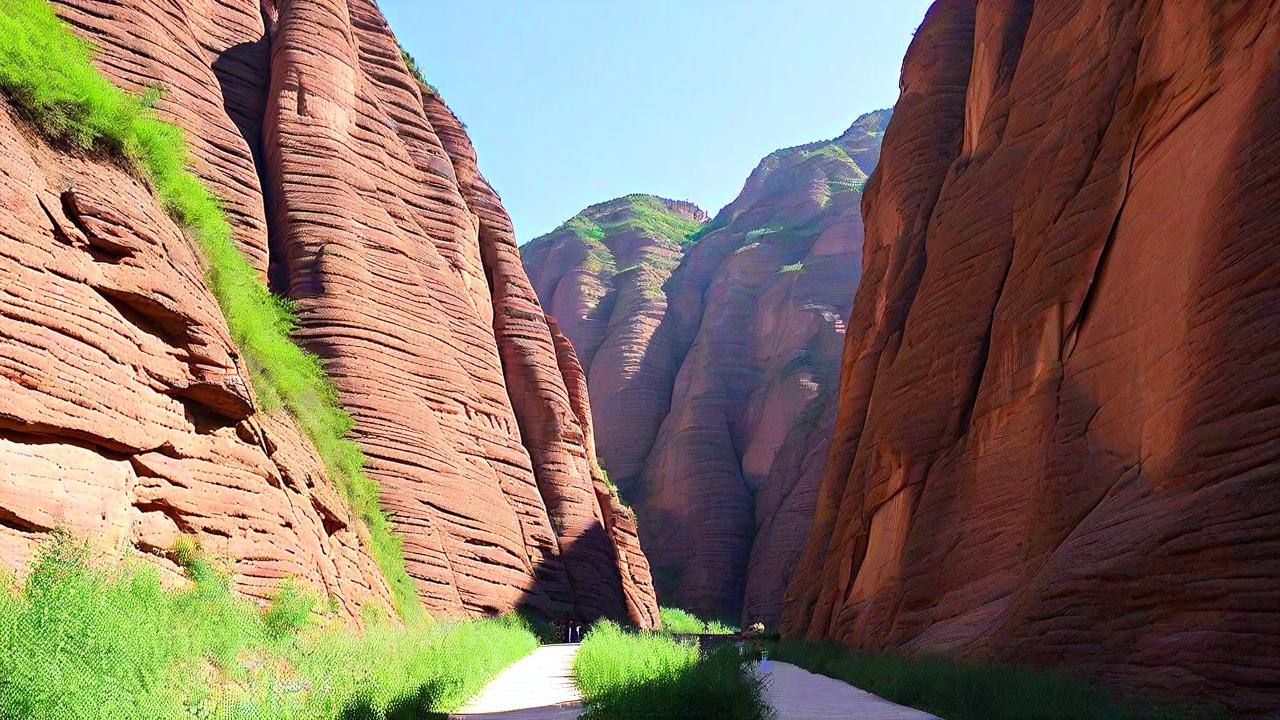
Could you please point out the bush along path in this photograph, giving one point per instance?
(647, 675)
(78, 641)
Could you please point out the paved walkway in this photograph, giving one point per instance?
(537, 687)
(797, 694)
(540, 687)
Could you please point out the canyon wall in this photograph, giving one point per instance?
(712, 354)
(1058, 434)
(354, 190)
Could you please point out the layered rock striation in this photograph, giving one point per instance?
(712, 354)
(1058, 432)
(354, 190)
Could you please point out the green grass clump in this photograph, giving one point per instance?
(94, 644)
(683, 622)
(961, 691)
(625, 675)
(45, 71)
(417, 71)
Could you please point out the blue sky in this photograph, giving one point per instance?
(572, 102)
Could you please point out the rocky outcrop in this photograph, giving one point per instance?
(1058, 430)
(127, 418)
(711, 355)
(602, 275)
(351, 185)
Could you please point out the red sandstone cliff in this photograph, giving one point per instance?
(1059, 433)
(712, 360)
(356, 190)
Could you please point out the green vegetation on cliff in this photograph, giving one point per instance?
(46, 72)
(93, 644)
(637, 212)
(673, 224)
(417, 71)
(644, 675)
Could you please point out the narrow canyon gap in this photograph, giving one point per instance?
(712, 351)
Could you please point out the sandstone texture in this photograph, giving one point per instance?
(354, 189)
(1059, 429)
(125, 414)
(712, 357)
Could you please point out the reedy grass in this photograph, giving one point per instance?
(46, 72)
(961, 691)
(625, 675)
(93, 644)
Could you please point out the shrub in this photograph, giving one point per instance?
(624, 675)
(675, 620)
(46, 72)
(187, 550)
(417, 71)
(962, 691)
(91, 644)
(290, 610)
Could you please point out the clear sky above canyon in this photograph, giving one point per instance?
(572, 102)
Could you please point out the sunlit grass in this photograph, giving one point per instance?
(93, 644)
(46, 72)
(625, 675)
(683, 622)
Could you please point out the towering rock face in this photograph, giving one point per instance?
(712, 358)
(126, 417)
(355, 190)
(1059, 434)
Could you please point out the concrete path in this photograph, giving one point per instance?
(540, 687)
(536, 687)
(797, 694)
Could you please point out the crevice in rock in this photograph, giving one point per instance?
(10, 520)
(1091, 288)
(974, 386)
(170, 327)
(101, 248)
(174, 514)
(331, 523)
(243, 72)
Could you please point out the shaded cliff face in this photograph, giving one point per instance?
(711, 360)
(1058, 431)
(356, 190)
